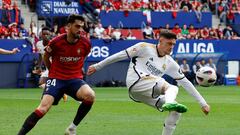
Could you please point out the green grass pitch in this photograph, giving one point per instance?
(115, 114)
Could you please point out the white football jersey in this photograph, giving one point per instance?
(40, 47)
(145, 61)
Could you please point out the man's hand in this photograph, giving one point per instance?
(206, 109)
(15, 50)
(91, 70)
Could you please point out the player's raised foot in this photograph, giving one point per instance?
(70, 131)
(174, 107)
(65, 97)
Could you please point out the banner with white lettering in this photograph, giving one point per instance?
(230, 48)
(56, 8)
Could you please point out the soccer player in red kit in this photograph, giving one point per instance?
(68, 52)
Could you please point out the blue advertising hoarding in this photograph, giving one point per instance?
(230, 48)
(101, 49)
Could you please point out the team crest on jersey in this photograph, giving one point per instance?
(151, 58)
(164, 66)
(79, 51)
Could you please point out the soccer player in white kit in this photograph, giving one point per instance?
(149, 62)
(45, 34)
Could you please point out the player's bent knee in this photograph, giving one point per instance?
(89, 98)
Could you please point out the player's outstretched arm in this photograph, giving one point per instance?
(13, 51)
(188, 86)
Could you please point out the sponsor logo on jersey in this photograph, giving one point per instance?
(69, 59)
(154, 71)
(164, 66)
(79, 51)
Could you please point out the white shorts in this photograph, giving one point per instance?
(45, 73)
(144, 91)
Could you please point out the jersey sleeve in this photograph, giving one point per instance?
(174, 70)
(134, 50)
(122, 55)
(49, 48)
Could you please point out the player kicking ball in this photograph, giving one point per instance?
(149, 62)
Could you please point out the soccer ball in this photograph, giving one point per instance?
(206, 76)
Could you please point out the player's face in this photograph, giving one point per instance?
(167, 45)
(46, 35)
(76, 28)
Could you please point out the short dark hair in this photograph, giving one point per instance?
(73, 17)
(168, 34)
(46, 28)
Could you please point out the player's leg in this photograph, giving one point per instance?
(85, 94)
(51, 96)
(35, 116)
(170, 92)
(42, 83)
(170, 123)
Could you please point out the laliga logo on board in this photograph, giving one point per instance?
(195, 48)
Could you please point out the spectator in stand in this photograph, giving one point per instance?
(219, 31)
(204, 33)
(157, 33)
(235, 36)
(130, 36)
(193, 32)
(230, 17)
(106, 37)
(117, 5)
(211, 64)
(148, 32)
(219, 76)
(198, 14)
(107, 5)
(195, 68)
(186, 69)
(99, 30)
(91, 30)
(3, 31)
(203, 62)
(13, 30)
(167, 27)
(186, 3)
(185, 9)
(196, 4)
(177, 30)
(136, 5)
(228, 32)
(184, 31)
(33, 28)
(55, 29)
(117, 35)
(212, 34)
(205, 7)
(23, 31)
(109, 30)
(97, 4)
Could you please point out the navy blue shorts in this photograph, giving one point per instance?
(57, 88)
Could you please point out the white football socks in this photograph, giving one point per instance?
(170, 123)
(72, 126)
(171, 94)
